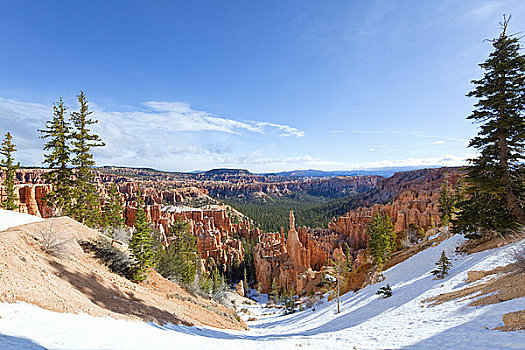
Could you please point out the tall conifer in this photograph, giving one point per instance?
(87, 204)
(113, 208)
(9, 166)
(57, 134)
(141, 242)
(495, 181)
(382, 238)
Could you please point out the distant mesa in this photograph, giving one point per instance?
(385, 172)
(225, 171)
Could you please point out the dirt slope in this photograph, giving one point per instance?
(82, 284)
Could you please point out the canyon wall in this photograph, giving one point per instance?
(218, 237)
(295, 262)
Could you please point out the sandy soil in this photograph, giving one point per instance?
(81, 284)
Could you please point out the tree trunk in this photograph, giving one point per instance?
(511, 201)
(338, 298)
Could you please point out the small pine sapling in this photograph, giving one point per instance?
(443, 266)
(386, 291)
(289, 302)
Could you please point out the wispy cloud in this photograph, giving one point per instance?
(485, 11)
(284, 130)
(161, 134)
(438, 142)
(253, 161)
(179, 116)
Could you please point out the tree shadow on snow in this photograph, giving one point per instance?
(9, 342)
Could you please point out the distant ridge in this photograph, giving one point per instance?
(226, 171)
(385, 172)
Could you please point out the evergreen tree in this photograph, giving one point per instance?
(341, 266)
(8, 163)
(495, 181)
(217, 281)
(141, 243)
(113, 208)
(57, 133)
(289, 302)
(382, 238)
(274, 292)
(443, 266)
(386, 291)
(445, 203)
(87, 200)
(245, 283)
(178, 260)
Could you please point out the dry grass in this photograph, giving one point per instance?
(518, 256)
(490, 241)
(507, 284)
(56, 242)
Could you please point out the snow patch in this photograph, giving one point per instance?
(10, 219)
(367, 321)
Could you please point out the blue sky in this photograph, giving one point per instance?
(262, 85)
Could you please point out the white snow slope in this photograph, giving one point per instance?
(367, 321)
(10, 219)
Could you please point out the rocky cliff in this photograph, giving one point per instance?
(293, 261)
(298, 260)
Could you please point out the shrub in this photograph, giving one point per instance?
(54, 241)
(518, 256)
(118, 233)
(115, 259)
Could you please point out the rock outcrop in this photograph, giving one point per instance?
(412, 201)
(295, 262)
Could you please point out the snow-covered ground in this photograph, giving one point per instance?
(367, 321)
(10, 219)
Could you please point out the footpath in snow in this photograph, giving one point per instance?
(367, 321)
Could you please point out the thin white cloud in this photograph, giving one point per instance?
(438, 142)
(258, 163)
(165, 132)
(485, 11)
(284, 130)
(178, 116)
(173, 136)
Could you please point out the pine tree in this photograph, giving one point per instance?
(443, 266)
(57, 133)
(382, 238)
(7, 150)
(113, 208)
(386, 291)
(245, 283)
(289, 302)
(141, 243)
(178, 260)
(495, 181)
(445, 203)
(87, 200)
(341, 266)
(274, 292)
